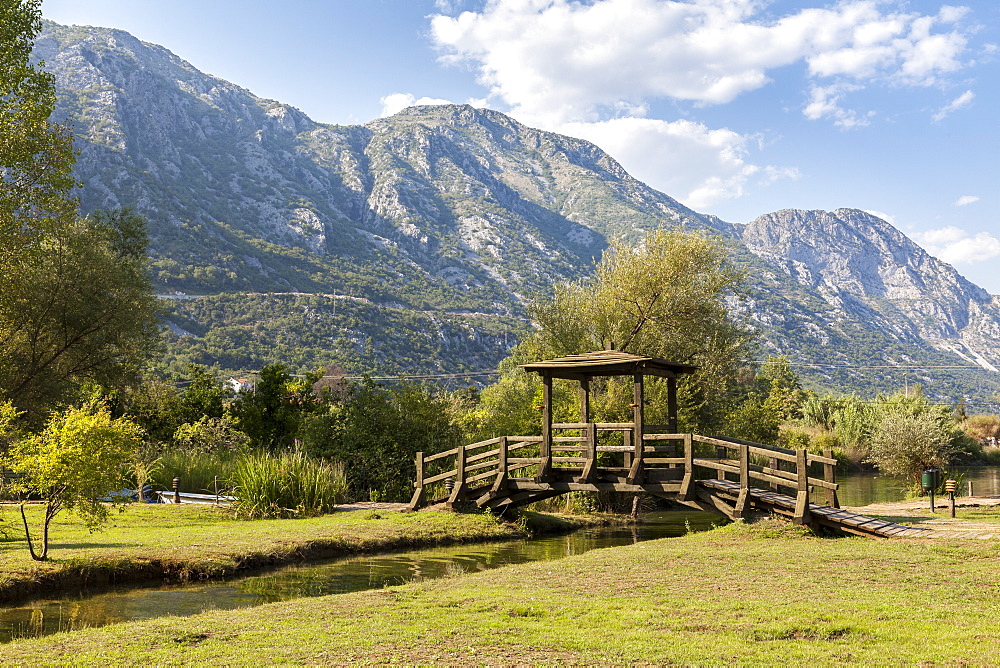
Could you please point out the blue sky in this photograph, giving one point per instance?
(734, 107)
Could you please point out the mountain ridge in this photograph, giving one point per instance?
(446, 210)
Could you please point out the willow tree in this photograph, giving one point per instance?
(668, 297)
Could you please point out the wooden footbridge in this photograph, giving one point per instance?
(726, 476)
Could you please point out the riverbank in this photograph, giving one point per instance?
(765, 593)
(165, 543)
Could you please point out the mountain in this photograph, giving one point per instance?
(413, 244)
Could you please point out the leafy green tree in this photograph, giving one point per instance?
(211, 434)
(36, 156)
(666, 298)
(270, 413)
(204, 396)
(907, 443)
(75, 302)
(376, 431)
(81, 455)
(80, 310)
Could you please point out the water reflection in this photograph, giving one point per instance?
(90, 609)
(861, 489)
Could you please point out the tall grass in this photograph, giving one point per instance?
(288, 484)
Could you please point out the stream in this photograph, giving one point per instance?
(93, 608)
(98, 607)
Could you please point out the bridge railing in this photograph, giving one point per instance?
(659, 459)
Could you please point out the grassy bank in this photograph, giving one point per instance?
(187, 542)
(764, 594)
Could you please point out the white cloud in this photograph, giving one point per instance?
(963, 100)
(573, 60)
(824, 102)
(956, 246)
(691, 162)
(396, 102)
(965, 200)
(596, 65)
(887, 217)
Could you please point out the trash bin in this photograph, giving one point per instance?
(929, 479)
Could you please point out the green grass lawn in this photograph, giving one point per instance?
(762, 594)
(166, 542)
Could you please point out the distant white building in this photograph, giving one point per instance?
(238, 385)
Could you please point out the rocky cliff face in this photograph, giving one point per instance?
(444, 221)
(865, 268)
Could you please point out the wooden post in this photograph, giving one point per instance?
(672, 405)
(741, 501)
(801, 488)
(418, 494)
(830, 475)
(589, 432)
(458, 491)
(687, 491)
(720, 454)
(772, 463)
(501, 479)
(591, 444)
(635, 473)
(627, 442)
(545, 467)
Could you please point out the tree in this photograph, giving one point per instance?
(665, 298)
(375, 431)
(75, 302)
(77, 308)
(905, 444)
(36, 156)
(81, 455)
(270, 414)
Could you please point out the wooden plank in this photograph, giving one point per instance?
(663, 460)
(483, 444)
(482, 465)
(830, 476)
(482, 455)
(441, 455)
(741, 503)
(458, 491)
(662, 437)
(802, 489)
(501, 480)
(441, 476)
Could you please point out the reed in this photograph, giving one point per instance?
(287, 484)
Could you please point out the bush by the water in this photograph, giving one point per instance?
(287, 484)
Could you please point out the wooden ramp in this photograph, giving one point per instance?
(729, 477)
(831, 518)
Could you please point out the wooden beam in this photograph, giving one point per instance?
(802, 488)
(418, 494)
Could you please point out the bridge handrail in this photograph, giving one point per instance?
(498, 464)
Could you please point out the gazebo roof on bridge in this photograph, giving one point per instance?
(607, 363)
